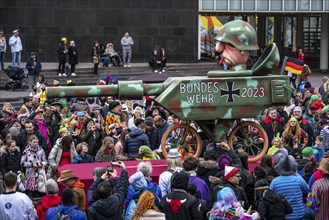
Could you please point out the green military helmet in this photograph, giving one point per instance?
(238, 33)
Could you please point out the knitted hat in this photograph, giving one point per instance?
(149, 121)
(315, 106)
(260, 172)
(27, 99)
(180, 180)
(223, 160)
(113, 104)
(229, 171)
(308, 151)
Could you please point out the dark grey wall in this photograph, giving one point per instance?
(172, 24)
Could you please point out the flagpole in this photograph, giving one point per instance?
(283, 65)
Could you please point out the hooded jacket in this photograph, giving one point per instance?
(78, 215)
(111, 207)
(206, 169)
(179, 204)
(134, 141)
(47, 202)
(273, 206)
(56, 152)
(79, 195)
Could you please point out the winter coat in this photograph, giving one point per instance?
(246, 177)
(10, 162)
(325, 134)
(37, 67)
(32, 155)
(202, 187)
(78, 215)
(94, 141)
(165, 180)
(79, 194)
(47, 202)
(83, 158)
(134, 141)
(206, 169)
(73, 55)
(153, 215)
(273, 206)
(110, 207)
(163, 129)
(56, 152)
(306, 126)
(108, 157)
(154, 138)
(16, 44)
(292, 188)
(22, 140)
(3, 44)
(267, 125)
(179, 205)
(61, 51)
(151, 186)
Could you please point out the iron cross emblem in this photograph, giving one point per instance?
(230, 92)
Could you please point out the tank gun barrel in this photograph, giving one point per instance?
(123, 90)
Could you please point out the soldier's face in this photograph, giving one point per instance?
(231, 55)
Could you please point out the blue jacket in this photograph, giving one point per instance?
(34, 71)
(150, 187)
(291, 188)
(78, 215)
(83, 159)
(163, 129)
(110, 207)
(134, 141)
(320, 153)
(154, 138)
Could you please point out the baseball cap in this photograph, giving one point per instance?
(308, 151)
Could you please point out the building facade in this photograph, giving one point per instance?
(172, 24)
(288, 23)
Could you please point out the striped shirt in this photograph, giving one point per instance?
(320, 188)
(291, 188)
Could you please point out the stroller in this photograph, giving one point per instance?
(16, 78)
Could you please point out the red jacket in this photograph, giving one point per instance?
(47, 202)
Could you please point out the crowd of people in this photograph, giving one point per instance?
(46, 134)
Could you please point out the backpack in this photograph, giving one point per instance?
(62, 216)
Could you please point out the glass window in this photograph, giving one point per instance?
(290, 5)
(303, 5)
(326, 6)
(262, 5)
(221, 4)
(207, 4)
(317, 5)
(235, 5)
(276, 5)
(249, 5)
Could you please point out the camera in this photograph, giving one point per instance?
(109, 169)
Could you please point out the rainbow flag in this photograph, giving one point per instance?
(293, 65)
